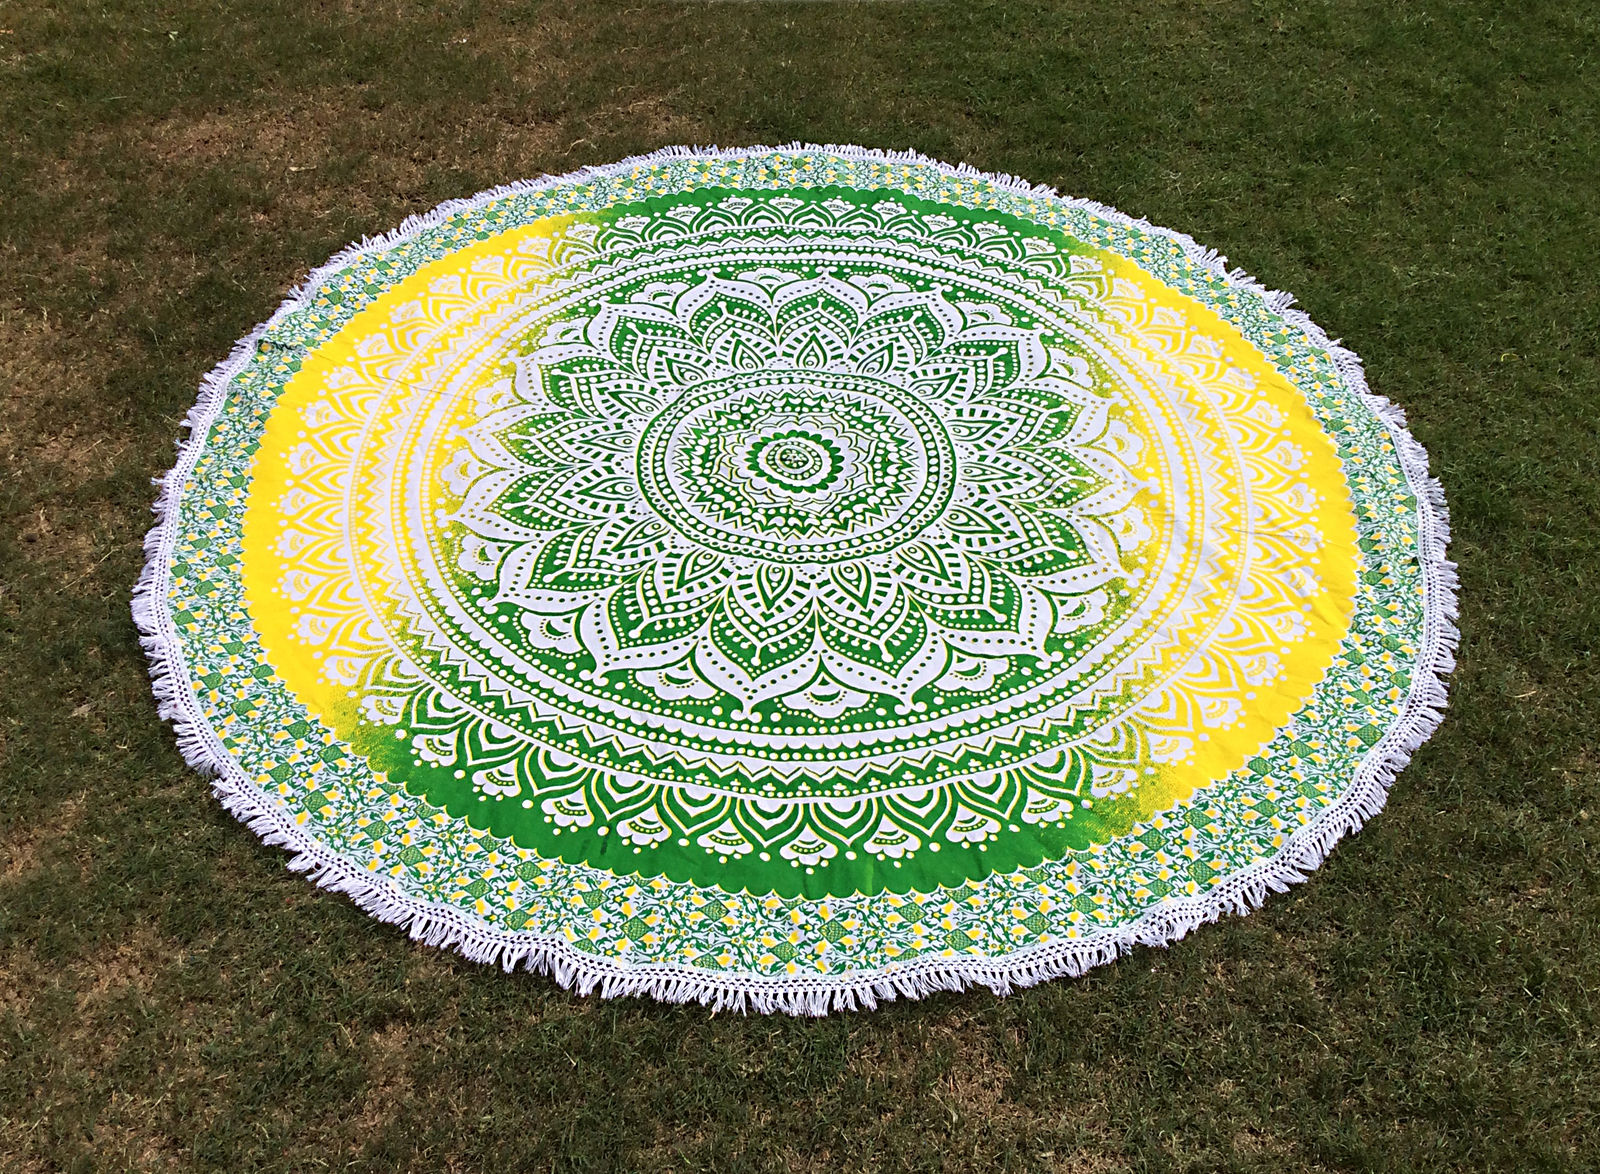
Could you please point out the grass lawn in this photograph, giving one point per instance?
(1425, 176)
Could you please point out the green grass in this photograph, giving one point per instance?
(1424, 176)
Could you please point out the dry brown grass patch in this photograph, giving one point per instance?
(388, 1063)
(31, 848)
(325, 152)
(47, 421)
(133, 965)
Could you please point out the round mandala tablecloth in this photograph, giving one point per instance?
(790, 578)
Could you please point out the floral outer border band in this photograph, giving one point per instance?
(1218, 864)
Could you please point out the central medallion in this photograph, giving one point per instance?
(770, 504)
(796, 461)
(797, 466)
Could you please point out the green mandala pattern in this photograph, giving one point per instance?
(790, 578)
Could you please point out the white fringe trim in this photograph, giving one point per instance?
(446, 926)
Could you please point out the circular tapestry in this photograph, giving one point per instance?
(792, 578)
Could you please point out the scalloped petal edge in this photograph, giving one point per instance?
(443, 926)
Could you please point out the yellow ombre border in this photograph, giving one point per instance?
(323, 378)
(1338, 560)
